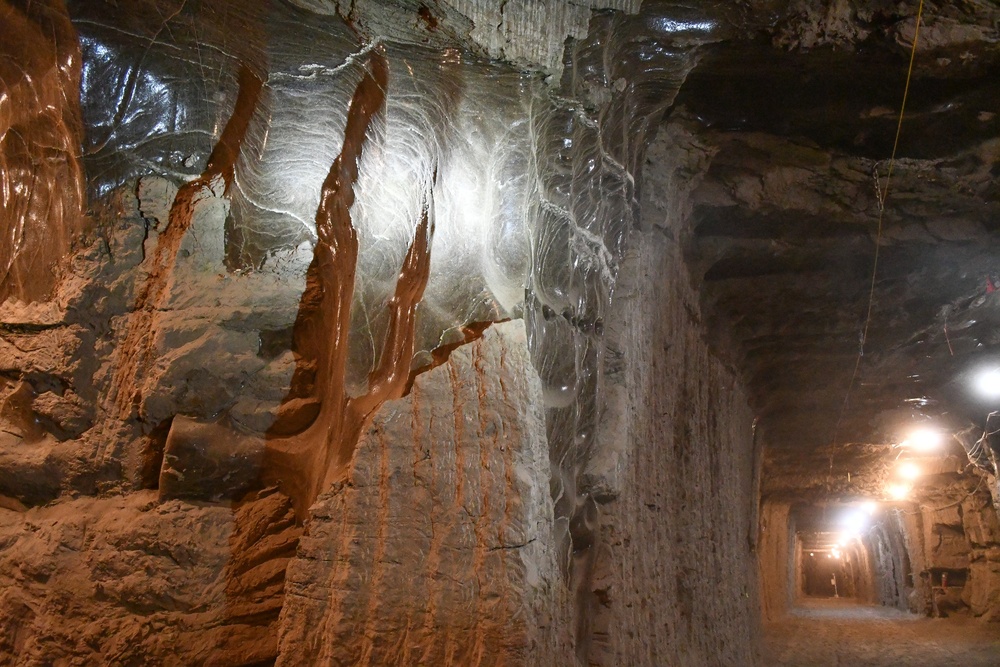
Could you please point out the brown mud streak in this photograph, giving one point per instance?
(470, 333)
(316, 458)
(136, 350)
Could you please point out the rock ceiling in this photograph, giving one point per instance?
(784, 224)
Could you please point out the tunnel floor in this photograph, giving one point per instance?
(821, 632)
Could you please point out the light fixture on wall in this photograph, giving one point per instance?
(898, 491)
(924, 439)
(908, 470)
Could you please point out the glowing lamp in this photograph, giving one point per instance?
(898, 491)
(908, 470)
(854, 522)
(987, 382)
(924, 440)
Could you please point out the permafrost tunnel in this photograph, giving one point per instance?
(468, 332)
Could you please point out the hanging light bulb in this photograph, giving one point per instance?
(898, 491)
(924, 440)
(987, 382)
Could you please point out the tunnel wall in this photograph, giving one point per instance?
(859, 573)
(776, 560)
(672, 556)
(892, 578)
(439, 547)
(957, 537)
(152, 411)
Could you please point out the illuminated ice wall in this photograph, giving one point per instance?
(532, 174)
(352, 267)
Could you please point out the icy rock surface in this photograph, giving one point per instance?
(210, 131)
(41, 179)
(462, 120)
(437, 549)
(532, 182)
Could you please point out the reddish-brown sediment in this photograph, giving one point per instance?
(306, 463)
(41, 180)
(470, 333)
(136, 350)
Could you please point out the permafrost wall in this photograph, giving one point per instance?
(264, 410)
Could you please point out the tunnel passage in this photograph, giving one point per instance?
(856, 551)
(930, 555)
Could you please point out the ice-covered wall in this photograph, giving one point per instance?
(41, 178)
(298, 212)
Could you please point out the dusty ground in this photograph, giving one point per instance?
(837, 632)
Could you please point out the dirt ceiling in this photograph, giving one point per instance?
(798, 121)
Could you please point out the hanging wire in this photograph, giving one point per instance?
(881, 194)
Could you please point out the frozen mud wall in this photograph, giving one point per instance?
(672, 558)
(272, 357)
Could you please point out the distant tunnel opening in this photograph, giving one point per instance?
(830, 566)
(925, 560)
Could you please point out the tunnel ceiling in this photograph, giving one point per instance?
(796, 124)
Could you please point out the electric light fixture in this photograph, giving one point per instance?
(924, 440)
(898, 491)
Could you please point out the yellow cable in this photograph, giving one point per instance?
(882, 195)
(888, 178)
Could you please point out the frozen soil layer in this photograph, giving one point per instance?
(821, 632)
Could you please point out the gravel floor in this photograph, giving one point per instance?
(822, 632)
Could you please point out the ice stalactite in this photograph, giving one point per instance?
(41, 179)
